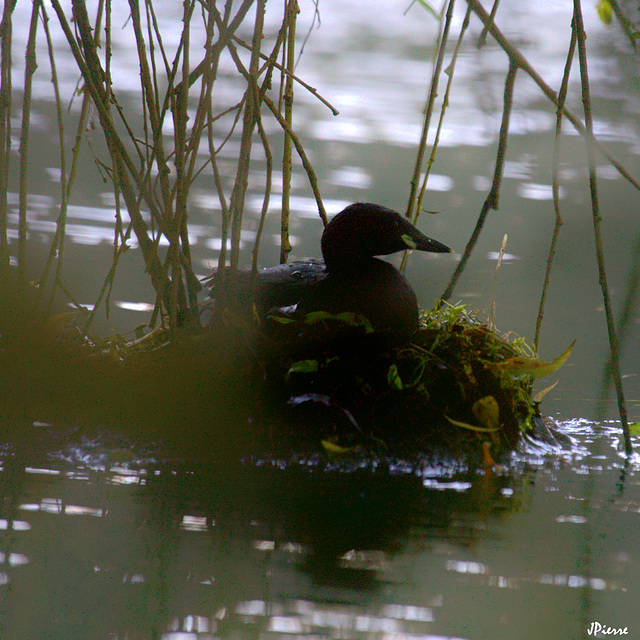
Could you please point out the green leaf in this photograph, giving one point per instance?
(487, 412)
(335, 449)
(408, 240)
(535, 368)
(393, 378)
(346, 317)
(605, 11)
(302, 366)
(356, 319)
(541, 394)
(471, 427)
(634, 429)
(317, 316)
(430, 9)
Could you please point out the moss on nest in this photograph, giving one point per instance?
(456, 384)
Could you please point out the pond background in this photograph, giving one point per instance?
(104, 538)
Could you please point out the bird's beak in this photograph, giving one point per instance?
(424, 243)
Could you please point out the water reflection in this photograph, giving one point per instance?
(130, 543)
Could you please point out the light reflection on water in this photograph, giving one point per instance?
(129, 543)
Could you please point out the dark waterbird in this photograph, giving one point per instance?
(349, 279)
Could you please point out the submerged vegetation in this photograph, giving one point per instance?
(457, 382)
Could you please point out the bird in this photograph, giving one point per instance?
(349, 278)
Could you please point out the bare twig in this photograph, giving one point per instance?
(30, 68)
(593, 187)
(312, 90)
(627, 26)
(313, 181)
(6, 29)
(520, 61)
(92, 74)
(482, 38)
(56, 250)
(311, 174)
(252, 105)
(492, 296)
(555, 187)
(628, 314)
(433, 92)
(225, 35)
(492, 199)
(265, 201)
(445, 103)
(290, 19)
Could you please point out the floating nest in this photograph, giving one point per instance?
(322, 382)
(458, 385)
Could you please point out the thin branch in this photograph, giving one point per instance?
(434, 147)
(313, 181)
(312, 90)
(482, 38)
(287, 167)
(492, 199)
(433, 92)
(265, 201)
(311, 174)
(628, 27)
(593, 186)
(6, 29)
(252, 105)
(92, 74)
(56, 250)
(30, 68)
(445, 103)
(226, 33)
(555, 187)
(628, 314)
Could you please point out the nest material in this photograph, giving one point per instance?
(448, 386)
(291, 383)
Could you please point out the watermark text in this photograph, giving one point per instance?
(598, 629)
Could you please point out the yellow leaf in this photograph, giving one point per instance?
(335, 449)
(487, 412)
(605, 11)
(471, 427)
(535, 368)
(114, 353)
(634, 429)
(541, 394)
(280, 319)
(393, 378)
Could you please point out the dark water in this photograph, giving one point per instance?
(103, 540)
(102, 536)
